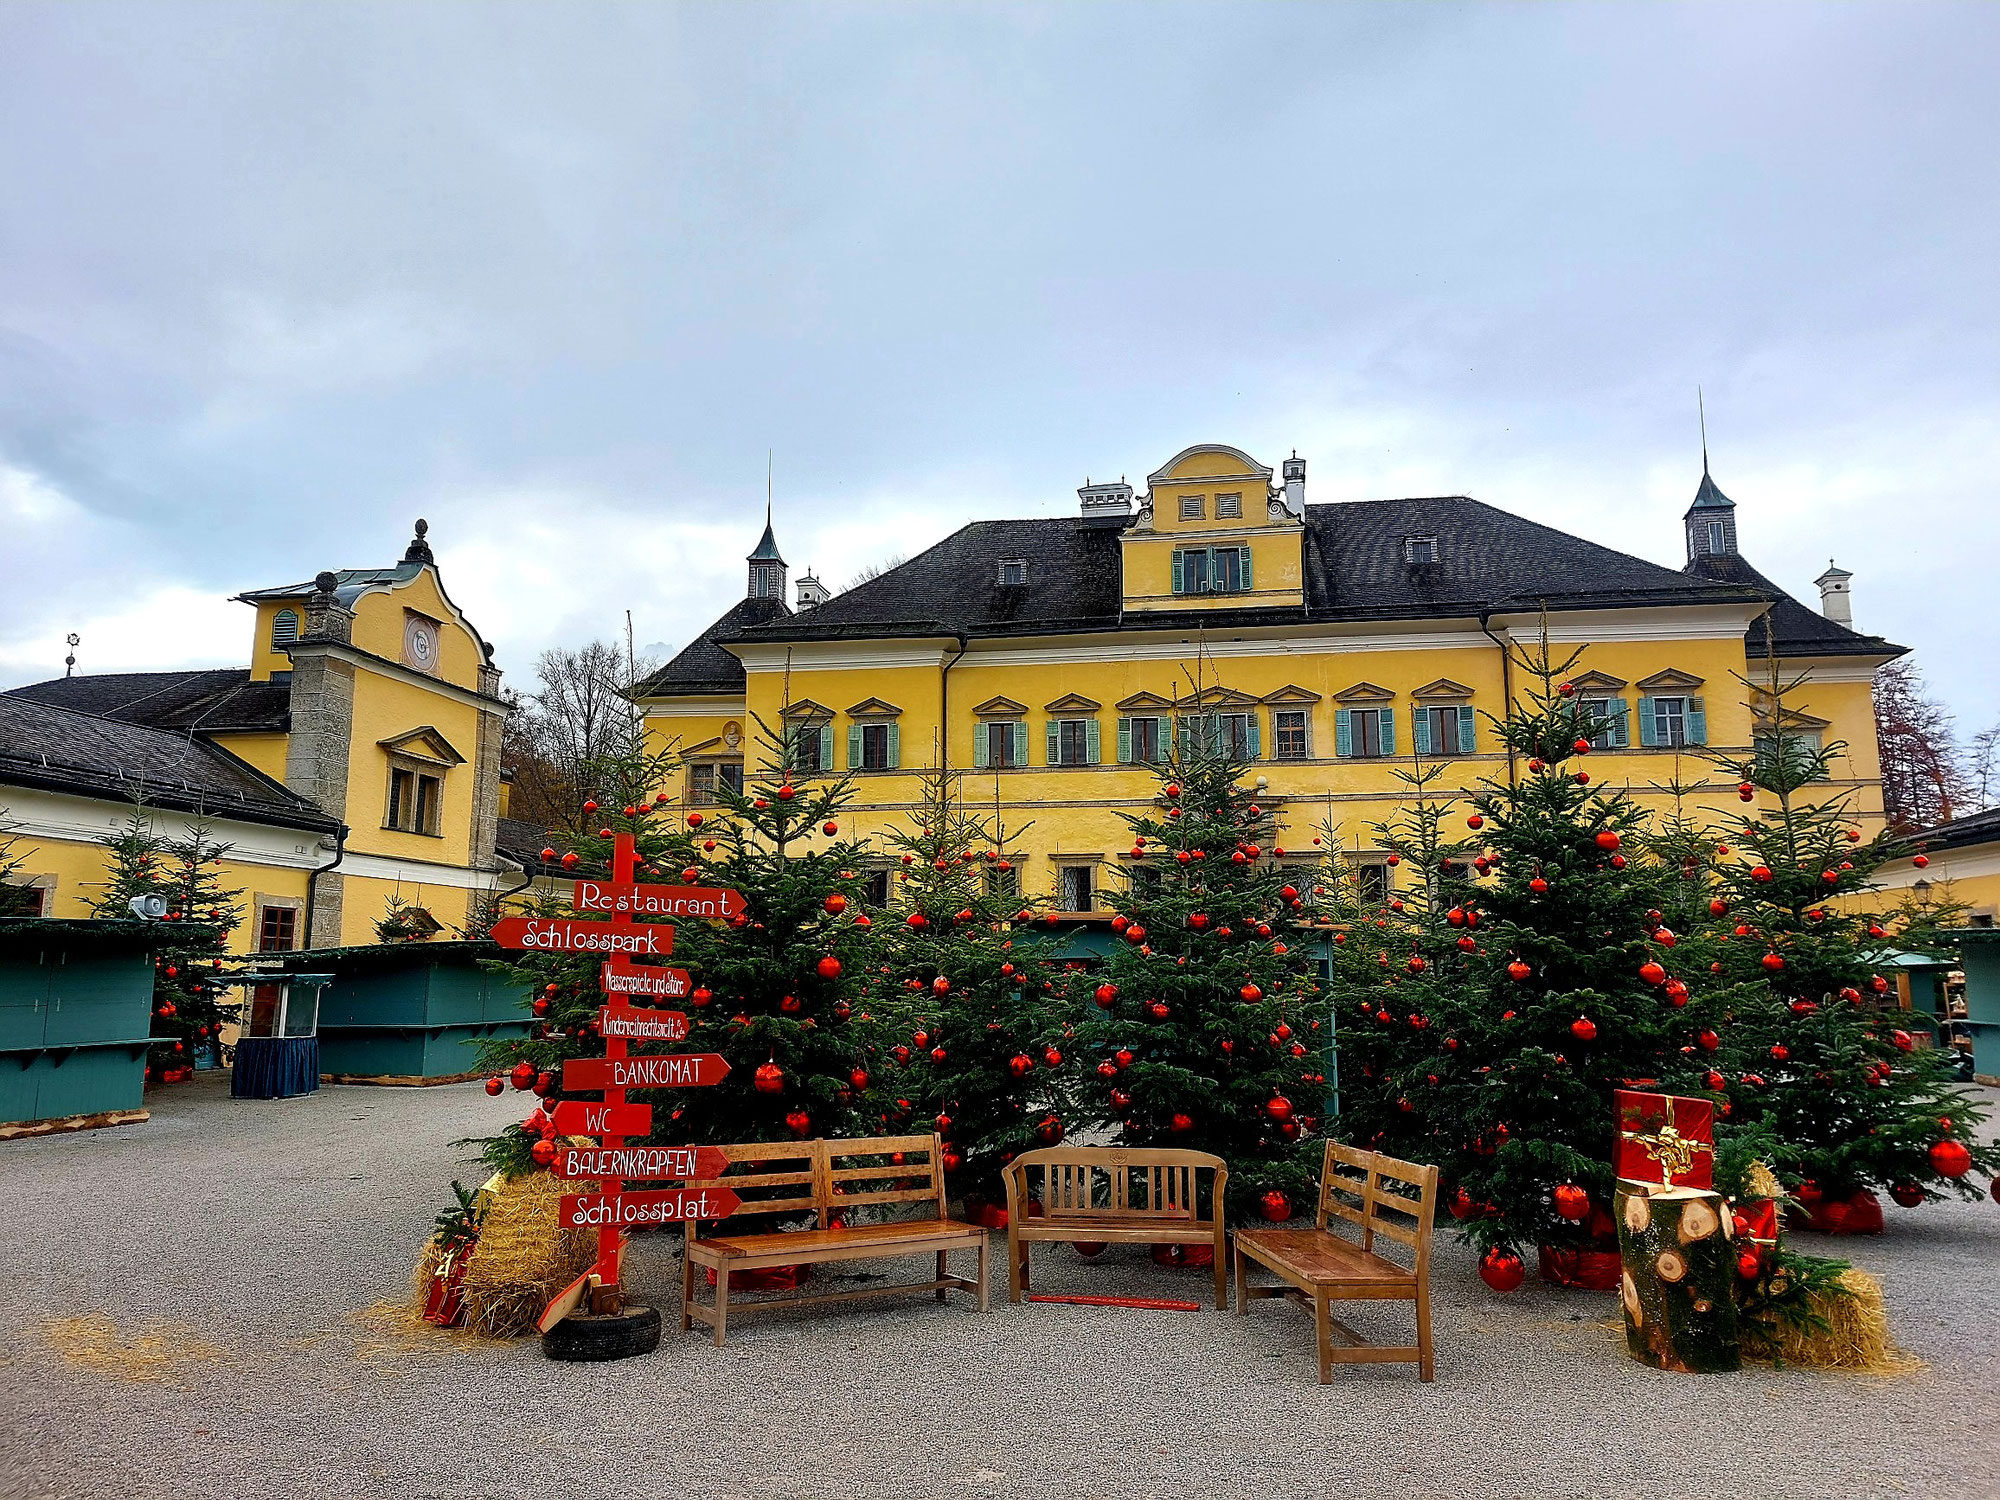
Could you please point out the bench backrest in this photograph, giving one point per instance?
(1384, 1196)
(1139, 1181)
(821, 1177)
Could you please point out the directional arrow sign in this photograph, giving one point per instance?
(655, 903)
(641, 1025)
(640, 1163)
(576, 1117)
(561, 935)
(687, 1070)
(642, 980)
(671, 1206)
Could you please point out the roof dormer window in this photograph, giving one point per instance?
(1228, 507)
(1194, 507)
(1013, 573)
(1418, 550)
(284, 627)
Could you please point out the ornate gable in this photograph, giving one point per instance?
(1073, 703)
(1443, 688)
(1292, 693)
(1000, 707)
(1141, 703)
(1218, 697)
(805, 708)
(1673, 679)
(1363, 692)
(1597, 682)
(874, 708)
(424, 744)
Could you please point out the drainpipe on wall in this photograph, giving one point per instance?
(1506, 686)
(944, 702)
(312, 881)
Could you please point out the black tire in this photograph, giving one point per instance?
(600, 1336)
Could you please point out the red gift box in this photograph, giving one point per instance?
(1665, 1138)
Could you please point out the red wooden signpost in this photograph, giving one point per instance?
(613, 1163)
(561, 935)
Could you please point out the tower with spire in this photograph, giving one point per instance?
(1711, 520)
(767, 567)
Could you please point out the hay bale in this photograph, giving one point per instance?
(1849, 1330)
(523, 1257)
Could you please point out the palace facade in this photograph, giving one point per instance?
(354, 759)
(1054, 661)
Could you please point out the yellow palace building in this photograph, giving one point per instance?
(355, 758)
(1054, 660)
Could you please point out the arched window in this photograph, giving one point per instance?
(284, 627)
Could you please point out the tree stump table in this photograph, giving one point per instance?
(1678, 1286)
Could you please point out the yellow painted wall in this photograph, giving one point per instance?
(385, 708)
(365, 901)
(264, 751)
(379, 620)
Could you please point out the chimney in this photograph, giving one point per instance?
(812, 591)
(1834, 600)
(1106, 504)
(1295, 484)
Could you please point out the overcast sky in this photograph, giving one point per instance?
(276, 280)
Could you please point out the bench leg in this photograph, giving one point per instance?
(721, 1304)
(1013, 1268)
(687, 1290)
(1242, 1285)
(1424, 1361)
(983, 1241)
(1323, 1326)
(1221, 1274)
(941, 1268)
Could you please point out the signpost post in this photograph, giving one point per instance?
(634, 929)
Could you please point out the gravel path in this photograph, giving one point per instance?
(251, 1238)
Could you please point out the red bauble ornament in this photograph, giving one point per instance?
(941, 985)
(1122, 1057)
(494, 1085)
(1107, 995)
(1749, 1265)
(1608, 839)
(1538, 885)
(1120, 1100)
(1518, 970)
(1572, 1202)
(917, 919)
(1173, 789)
(1475, 821)
(1761, 874)
(769, 1078)
(835, 904)
(1950, 1159)
(1502, 1270)
(1715, 1081)
(1274, 1206)
(1583, 1029)
(1906, 1193)
(1921, 861)
(1279, 1108)
(1652, 973)
(1021, 1066)
(523, 1076)
(1774, 961)
(1180, 1124)
(1251, 994)
(543, 1152)
(798, 1122)
(858, 1077)
(1677, 992)
(1718, 907)
(1052, 1057)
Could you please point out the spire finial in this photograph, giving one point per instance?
(1701, 409)
(770, 457)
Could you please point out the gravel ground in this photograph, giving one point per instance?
(250, 1240)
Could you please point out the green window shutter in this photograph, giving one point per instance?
(1646, 721)
(1466, 729)
(1308, 715)
(1020, 742)
(1256, 737)
(1697, 722)
(1420, 721)
(1343, 732)
(1621, 724)
(1055, 742)
(1179, 586)
(1124, 742)
(853, 747)
(1388, 731)
(981, 732)
(1090, 748)
(895, 756)
(826, 747)
(1245, 580)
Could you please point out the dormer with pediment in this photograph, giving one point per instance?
(1214, 533)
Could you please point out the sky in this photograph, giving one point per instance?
(276, 280)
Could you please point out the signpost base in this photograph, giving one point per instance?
(586, 1336)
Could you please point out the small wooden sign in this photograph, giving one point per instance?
(561, 935)
(578, 1117)
(654, 903)
(641, 1025)
(666, 1206)
(639, 1163)
(677, 1071)
(642, 981)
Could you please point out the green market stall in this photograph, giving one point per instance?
(407, 1013)
(75, 1021)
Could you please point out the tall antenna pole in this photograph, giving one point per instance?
(1702, 410)
(770, 456)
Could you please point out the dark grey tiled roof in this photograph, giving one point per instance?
(1977, 828)
(1795, 630)
(703, 666)
(212, 700)
(58, 749)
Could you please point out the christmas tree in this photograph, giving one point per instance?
(985, 1049)
(1820, 1066)
(1203, 1030)
(15, 900)
(1574, 989)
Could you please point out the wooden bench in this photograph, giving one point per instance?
(1319, 1266)
(1121, 1194)
(827, 1178)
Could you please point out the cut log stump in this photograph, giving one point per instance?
(1679, 1285)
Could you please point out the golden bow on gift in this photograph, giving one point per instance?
(1672, 1150)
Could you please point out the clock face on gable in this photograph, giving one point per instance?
(420, 643)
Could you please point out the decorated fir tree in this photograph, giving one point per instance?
(984, 1049)
(1203, 1027)
(16, 900)
(1822, 1063)
(1575, 989)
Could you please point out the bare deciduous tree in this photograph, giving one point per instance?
(578, 714)
(1924, 779)
(876, 570)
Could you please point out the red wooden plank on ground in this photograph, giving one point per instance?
(575, 1117)
(639, 1163)
(655, 902)
(641, 1025)
(677, 1071)
(643, 981)
(667, 1206)
(561, 935)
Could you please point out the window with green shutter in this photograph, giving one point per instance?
(1073, 742)
(1212, 570)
